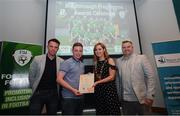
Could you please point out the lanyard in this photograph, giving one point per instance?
(98, 75)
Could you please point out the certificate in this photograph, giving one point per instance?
(86, 82)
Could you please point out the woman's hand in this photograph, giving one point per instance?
(94, 85)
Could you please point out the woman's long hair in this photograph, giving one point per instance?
(106, 55)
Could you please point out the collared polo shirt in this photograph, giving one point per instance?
(72, 70)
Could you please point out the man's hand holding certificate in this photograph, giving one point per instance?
(86, 82)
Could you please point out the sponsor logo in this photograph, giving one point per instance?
(22, 57)
(167, 60)
(162, 59)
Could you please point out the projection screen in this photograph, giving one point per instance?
(92, 21)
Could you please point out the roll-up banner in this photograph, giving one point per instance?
(15, 59)
(167, 56)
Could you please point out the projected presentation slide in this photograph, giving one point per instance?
(91, 22)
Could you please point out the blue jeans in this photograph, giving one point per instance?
(41, 98)
(72, 106)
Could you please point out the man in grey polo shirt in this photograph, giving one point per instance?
(68, 77)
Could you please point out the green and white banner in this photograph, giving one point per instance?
(15, 59)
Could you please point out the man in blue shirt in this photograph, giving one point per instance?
(68, 77)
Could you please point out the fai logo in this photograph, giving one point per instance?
(22, 57)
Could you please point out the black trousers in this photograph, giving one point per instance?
(41, 98)
(135, 108)
(72, 106)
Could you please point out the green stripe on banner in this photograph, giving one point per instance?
(177, 10)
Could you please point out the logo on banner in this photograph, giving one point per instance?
(22, 57)
(162, 59)
(167, 60)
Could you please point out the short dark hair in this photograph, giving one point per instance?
(54, 40)
(77, 44)
(127, 41)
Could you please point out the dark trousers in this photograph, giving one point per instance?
(135, 108)
(72, 106)
(41, 98)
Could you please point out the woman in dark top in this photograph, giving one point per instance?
(107, 102)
